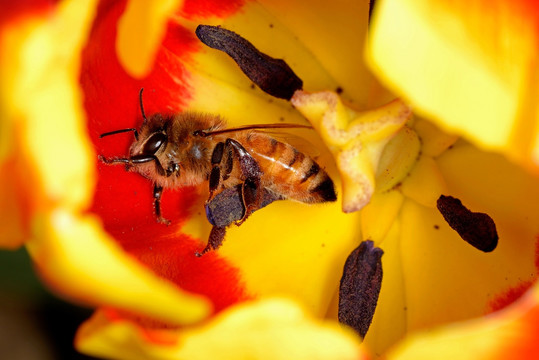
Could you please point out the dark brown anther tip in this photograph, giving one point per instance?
(477, 229)
(360, 287)
(273, 76)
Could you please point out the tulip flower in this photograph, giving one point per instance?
(410, 173)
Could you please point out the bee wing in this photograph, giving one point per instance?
(254, 127)
(276, 132)
(295, 139)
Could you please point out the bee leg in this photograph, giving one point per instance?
(215, 174)
(215, 240)
(157, 192)
(248, 165)
(134, 160)
(252, 196)
(251, 192)
(215, 179)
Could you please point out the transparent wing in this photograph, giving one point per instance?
(293, 134)
(298, 139)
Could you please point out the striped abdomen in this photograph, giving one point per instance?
(287, 171)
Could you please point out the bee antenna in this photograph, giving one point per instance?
(135, 132)
(142, 106)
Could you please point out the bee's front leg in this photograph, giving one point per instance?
(157, 192)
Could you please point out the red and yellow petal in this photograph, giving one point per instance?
(470, 66)
(40, 104)
(79, 261)
(141, 29)
(509, 334)
(269, 329)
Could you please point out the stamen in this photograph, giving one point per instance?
(360, 287)
(477, 229)
(273, 76)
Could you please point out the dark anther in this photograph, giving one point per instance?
(477, 229)
(273, 76)
(360, 287)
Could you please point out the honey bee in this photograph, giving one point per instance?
(242, 165)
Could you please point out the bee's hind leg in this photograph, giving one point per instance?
(215, 240)
(251, 192)
(252, 196)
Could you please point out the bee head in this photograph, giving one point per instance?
(148, 142)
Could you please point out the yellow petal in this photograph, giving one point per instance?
(325, 54)
(141, 29)
(434, 141)
(81, 262)
(432, 276)
(470, 66)
(269, 329)
(397, 159)
(438, 257)
(425, 183)
(389, 323)
(42, 99)
(335, 40)
(374, 226)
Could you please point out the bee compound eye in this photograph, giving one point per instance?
(154, 143)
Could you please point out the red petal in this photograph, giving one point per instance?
(15, 10)
(522, 345)
(529, 8)
(509, 296)
(111, 95)
(210, 8)
(124, 200)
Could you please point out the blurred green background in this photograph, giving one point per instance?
(34, 324)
